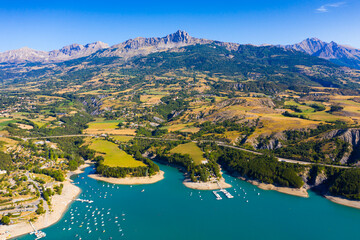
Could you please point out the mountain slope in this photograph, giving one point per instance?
(339, 54)
(266, 69)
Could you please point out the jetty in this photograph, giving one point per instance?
(227, 194)
(39, 234)
(217, 195)
(84, 200)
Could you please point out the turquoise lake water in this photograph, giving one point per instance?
(169, 210)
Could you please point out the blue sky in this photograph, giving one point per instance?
(47, 25)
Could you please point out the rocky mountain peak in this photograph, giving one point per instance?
(179, 36)
(143, 46)
(97, 45)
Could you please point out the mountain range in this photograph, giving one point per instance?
(339, 54)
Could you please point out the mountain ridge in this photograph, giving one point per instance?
(26, 54)
(334, 52)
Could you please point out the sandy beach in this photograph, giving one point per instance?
(130, 180)
(206, 185)
(60, 204)
(343, 201)
(302, 192)
(81, 168)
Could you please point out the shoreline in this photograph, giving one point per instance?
(80, 169)
(298, 192)
(343, 201)
(130, 180)
(206, 185)
(59, 203)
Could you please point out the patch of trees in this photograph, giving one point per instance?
(200, 172)
(5, 161)
(347, 184)
(264, 168)
(170, 106)
(58, 175)
(74, 151)
(58, 188)
(293, 107)
(40, 210)
(296, 135)
(121, 172)
(318, 107)
(325, 151)
(47, 194)
(222, 127)
(335, 108)
(294, 115)
(5, 220)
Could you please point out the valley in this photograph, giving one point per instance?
(265, 114)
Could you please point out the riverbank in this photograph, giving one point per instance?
(206, 185)
(130, 180)
(60, 204)
(299, 192)
(344, 201)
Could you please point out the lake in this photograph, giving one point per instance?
(169, 210)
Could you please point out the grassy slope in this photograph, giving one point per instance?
(114, 157)
(192, 149)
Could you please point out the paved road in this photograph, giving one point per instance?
(62, 136)
(217, 142)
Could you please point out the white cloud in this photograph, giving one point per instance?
(325, 8)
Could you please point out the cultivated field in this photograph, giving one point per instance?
(108, 127)
(122, 138)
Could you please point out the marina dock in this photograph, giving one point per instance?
(227, 194)
(39, 234)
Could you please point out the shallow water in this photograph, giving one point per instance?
(169, 210)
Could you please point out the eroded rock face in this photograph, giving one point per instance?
(320, 178)
(270, 143)
(351, 136)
